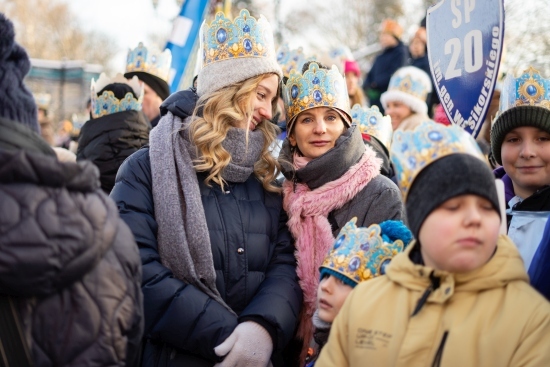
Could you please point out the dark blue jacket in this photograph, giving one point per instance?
(253, 256)
(385, 64)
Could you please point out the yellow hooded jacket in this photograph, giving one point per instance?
(488, 317)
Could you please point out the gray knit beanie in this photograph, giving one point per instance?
(450, 176)
(16, 101)
(534, 116)
(235, 51)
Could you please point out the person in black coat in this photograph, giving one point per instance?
(69, 266)
(393, 56)
(115, 130)
(219, 273)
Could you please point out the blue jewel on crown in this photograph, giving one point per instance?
(317, 96)
(384, 265)
(531, 90)
(373, 120)
(294, 91)
(341, 240)
(354, 263)
(435, 135)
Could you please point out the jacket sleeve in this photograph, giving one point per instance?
(533, 350)
(279, 297)
(335, 352)
(177, 313)
(386, 204)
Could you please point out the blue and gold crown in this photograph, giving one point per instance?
(361, 254)
(291, 59)
(142, 59)
(409, 85)
(412, 150)
(371, 122)
(107, 103)
(529, 89)
(224, 39)
(315, 88)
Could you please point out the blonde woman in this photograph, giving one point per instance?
(219, 277)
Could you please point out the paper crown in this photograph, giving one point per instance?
(411, 86)
(371, 122)
(107, 103)
(224, 39)
(43, 100)
(316, 87)
(360, 254)
(413, 150)
(529, 89)
(141, 59)
(291, 59)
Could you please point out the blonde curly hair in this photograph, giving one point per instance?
(220, 110)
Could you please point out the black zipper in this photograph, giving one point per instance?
(439, 354)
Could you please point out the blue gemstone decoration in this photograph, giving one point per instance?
(294, 91)
(140, 53)
(354, 264)
(435, 136)
(412, 162)
(404, 147)
(383, 266)
(247, 45)
(531, 90)
(339, 242)
(365, 246)
(354, 116)
(315, 80)
(153, 59)
(317, 96)
(246, 28)
(221, 35)
(280, 56)
(105, 106)
(373, 120)
(138, 63)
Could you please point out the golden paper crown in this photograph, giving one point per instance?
(224, 39)
(157, 64)
(361, 254)
(412, 150)
(316, 87)
(370, 121)
(107, 103)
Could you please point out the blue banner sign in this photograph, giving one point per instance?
(184, 42)
(465, 40)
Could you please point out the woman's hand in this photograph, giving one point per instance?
(249, 345)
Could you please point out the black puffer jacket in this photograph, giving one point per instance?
(107, 141)
(253, 256)
(66, 258)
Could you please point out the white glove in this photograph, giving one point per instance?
(249, 345)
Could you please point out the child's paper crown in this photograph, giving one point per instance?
(413, 150)
(370, 121)
(362, 253)
(107, 103)
(142, 59)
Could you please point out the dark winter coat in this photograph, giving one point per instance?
(385, 64)
(253, 255)
(66, 258)
(107, 141)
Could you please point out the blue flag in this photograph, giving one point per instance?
(184, 43)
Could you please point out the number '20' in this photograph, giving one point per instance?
(473, 54)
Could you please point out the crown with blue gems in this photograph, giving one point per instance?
(361, 254)
(529, 89)
(291, 59)
(107, 103)
(246, 36)
(316, 87)
(405, 81)
(142, 59)
(372, 122)
(412, 150)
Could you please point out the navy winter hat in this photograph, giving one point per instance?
(16, 101)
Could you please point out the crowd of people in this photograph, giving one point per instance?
(278, 212)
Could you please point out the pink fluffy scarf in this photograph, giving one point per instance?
(308, 211)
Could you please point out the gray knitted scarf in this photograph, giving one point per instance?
(182, 237)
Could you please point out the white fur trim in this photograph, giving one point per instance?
(415, 104)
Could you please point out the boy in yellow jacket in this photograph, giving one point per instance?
(457, 296)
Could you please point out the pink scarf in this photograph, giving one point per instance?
(308, 211)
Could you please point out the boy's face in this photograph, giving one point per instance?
(331, 295)
(525, 156)
(460, 235)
